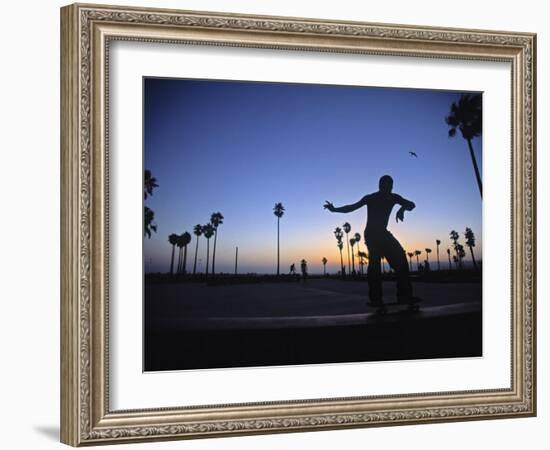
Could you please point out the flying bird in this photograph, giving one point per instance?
(413, 154)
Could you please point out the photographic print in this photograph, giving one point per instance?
(307, 204)
(305, 224)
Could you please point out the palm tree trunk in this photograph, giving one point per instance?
(172, 260)
(476, 169)
(410, 264)
(278, 249)
(214, 253)
(207, 254)
(196, 253)
(438, 264)
(473, 259)
(184, 268)
(417, 263)
(352, 261)
(347, 245)
(178, 270)
(450, 264)
(341, 263)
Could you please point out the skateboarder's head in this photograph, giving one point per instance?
(385, 184)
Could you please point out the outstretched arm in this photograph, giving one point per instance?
(346, 208)
(406, 205)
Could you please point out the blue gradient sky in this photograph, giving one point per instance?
(240, 147)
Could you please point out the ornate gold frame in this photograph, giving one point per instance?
(86, 31)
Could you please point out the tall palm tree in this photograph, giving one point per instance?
(438, 243)
(338, 233)
(279, 211)
(208, 232)
(148, 222)
(455, 260)
(347, 228)
(449, 256)
(340, 246)
(417, 253)
(173, 239)
(471, 243)
(180, 253)
(216, 219)
(197, 231)
(410, 255)
(466, 115)
(324, 261)
(362, 257)
(460, 254)
(428, 251)
(149, 183)
(357, 237)
(185, 240)
(456, 246)
(352, 242)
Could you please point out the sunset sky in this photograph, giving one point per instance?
(240, 147)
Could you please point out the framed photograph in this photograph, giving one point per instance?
(275, 224)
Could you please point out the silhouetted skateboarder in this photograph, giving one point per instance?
(380, 242)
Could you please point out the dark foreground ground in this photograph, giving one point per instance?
(195, 326)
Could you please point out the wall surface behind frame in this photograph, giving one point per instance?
(29, 234)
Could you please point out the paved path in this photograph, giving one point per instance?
(257, 323)
(316, 303)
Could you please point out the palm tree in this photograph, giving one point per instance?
(428, 251)
(149, 183)
(455, 260)
(180, 253)
(324, 261)
(347, 228)
(216, 219)
(362, 257)
(449, 256)
(352, 242)
(357, 237)
(173, 239)
(148, 222)
(417, 253)
(339, 236)
(438, 243)
(279, 211)
(471, 243)
(454, 237)
(461, 254)
(340, 246)
(208, 232)
(185, 240)
(197, 231)
(410, 255)
(466, 115)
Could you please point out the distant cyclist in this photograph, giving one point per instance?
(292, 270)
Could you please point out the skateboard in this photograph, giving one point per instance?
(382, 309)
